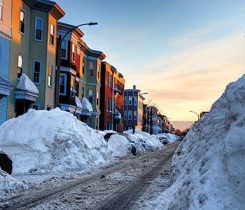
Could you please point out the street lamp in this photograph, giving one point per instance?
(195, 114)
(60, 39)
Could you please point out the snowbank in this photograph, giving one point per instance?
(169, 136)
(9, 185)
(26, 84)
(143, 141)
(208, 170)
(53, 141)
(119, 145)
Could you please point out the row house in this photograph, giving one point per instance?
(33, 55)
(133, 109)
(80, 77)
(112, 98)
(5, 41)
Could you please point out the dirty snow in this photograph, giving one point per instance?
(208, 170)
(9, 185)
(52, 141)
(170, 137)
(119, 145)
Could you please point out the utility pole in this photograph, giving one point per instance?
(133, 114)
(151, 130)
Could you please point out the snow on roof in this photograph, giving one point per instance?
(26, 84)
(86, 104)
(78, 102)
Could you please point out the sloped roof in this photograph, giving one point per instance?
(26, 84)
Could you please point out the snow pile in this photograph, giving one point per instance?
(143, 141)
(86, 105)
(53, 141)
(119, 145)
(26, 84)
(78, 102)
(208, 168)
(169, 136)
(9, 185)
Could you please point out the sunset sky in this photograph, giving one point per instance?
(182, 52)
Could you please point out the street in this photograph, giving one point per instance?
(121, 186)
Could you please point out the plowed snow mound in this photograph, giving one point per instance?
(208, 169)
(43, 141)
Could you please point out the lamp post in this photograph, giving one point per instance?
(59, 41)
(195, 114)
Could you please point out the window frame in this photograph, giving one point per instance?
(73, 54)
(50, 77)
(1, 9)
(20, 22)
(39, 40)
(40, 70)
(65, 85)
(51, 36)
(91, 69)
(22, 64)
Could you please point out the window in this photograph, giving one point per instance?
(90, 98)
(37, 72)
(129, 115)
(63, 49)
(125, 116)
(38, 28)
(51, 36)
(130, 100)
(20, 66)
(97, 97)
(83, 65)
(82, 92)
(22, 22)
(50, 75)
(98, 71)
(73, 86)
(73, 53)
(107, 104)
(63, 81)
(108, 79)
(1, 9)
(91, 69)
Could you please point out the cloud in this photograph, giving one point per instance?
(194, 77)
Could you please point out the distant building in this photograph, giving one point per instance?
(5, 40)
(33, 55)
(112, 98)
(133, 109)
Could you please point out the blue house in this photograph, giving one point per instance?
(5, 38)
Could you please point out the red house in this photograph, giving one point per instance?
(112, 98)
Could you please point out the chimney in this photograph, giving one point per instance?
(134, 86)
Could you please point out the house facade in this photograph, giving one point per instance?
(112, 98)
(5, 40)
(133, 109)
(33, 55)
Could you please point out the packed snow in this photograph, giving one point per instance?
(169, 136)
(86, 105)
(26, 84)
(143, 141)
(208, 170)
(9, 185)
(119, 145)
(52, 141)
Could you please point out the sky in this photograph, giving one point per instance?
(182, 52)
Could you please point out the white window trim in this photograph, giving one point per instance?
(75, 49)
(21, 10)
(1, 10)
(38, 40)
(65, 84)
(52, 76)
(51, 34)
(40, 71)
(22, 66)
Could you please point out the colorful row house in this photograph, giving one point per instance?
(5, 41)
(33, 55)
(80, 77)
(112, 99)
